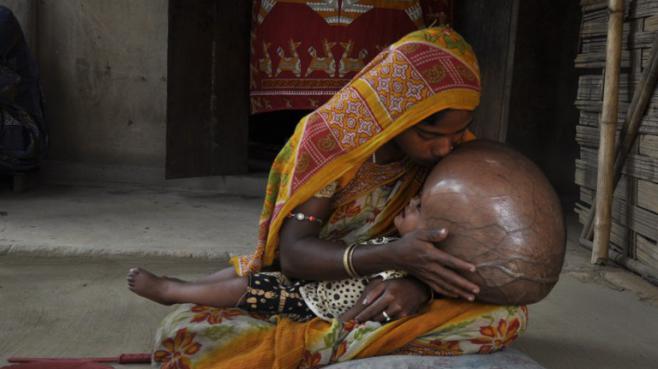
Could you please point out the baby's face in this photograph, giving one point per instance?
(409, 218)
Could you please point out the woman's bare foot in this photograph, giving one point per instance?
(152, 287)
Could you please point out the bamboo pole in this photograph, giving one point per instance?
(605, 178)
(636, 111)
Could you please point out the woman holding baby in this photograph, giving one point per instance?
(345, 177)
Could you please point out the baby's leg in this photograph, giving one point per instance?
(224, 274)
(167, 291)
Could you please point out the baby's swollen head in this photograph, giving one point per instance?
(503, 216)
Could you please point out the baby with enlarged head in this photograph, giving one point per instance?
(500, 213)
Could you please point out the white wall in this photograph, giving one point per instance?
(104, 72)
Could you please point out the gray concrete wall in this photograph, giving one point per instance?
(104, 68)
(26, 12)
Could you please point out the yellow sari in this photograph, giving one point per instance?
(425, 72)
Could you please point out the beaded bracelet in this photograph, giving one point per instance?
(301, 217)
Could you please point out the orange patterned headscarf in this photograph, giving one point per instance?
(425, 72)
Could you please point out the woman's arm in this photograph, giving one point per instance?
(303, 255)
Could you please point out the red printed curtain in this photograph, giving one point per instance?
(304, 51)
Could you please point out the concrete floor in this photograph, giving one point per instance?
(127, 220)
(66, 250)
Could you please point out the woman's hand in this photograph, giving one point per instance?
(393, 298)
(417, 255)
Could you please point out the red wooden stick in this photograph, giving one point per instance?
(121, 359)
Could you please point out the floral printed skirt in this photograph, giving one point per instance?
(205, 337)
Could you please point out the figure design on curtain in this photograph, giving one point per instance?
(265, 63)
(304, 51)
(325, 63)
(349, 64)
(289, 63)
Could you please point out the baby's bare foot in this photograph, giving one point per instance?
(152, 287)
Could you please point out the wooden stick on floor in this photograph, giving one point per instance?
(605, 178)
(121, 359)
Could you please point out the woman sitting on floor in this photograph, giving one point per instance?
(355, 162)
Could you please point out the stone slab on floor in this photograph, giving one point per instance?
(58, 172)
(127, 220)
(80, 306)
(508, 359)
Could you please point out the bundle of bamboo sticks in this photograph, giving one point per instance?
(612, 153)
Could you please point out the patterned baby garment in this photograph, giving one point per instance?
(330, 299)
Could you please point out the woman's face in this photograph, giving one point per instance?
(434, 137)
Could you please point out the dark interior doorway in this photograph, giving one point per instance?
(268, 132)
(209, 127)
(526, 51)
(207, 87)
